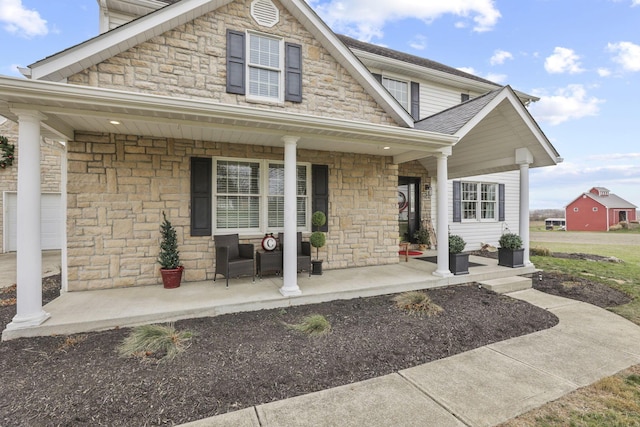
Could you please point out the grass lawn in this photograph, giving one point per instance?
(615, 400)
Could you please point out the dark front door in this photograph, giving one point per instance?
(408, 207)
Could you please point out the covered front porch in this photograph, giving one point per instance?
(78, 312)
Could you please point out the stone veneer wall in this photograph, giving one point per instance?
(119, 185)
(51, 168)
(190, 62)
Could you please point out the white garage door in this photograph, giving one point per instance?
(50, 226)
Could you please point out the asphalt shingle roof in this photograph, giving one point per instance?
(451, 120)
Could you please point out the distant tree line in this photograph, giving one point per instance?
(542, 214)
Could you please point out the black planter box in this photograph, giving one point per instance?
(459, 264)
(511, 257)
(316, 267)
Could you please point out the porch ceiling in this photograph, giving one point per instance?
(70, 108)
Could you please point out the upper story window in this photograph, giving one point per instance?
(265, 67)
(398, 89)
(479, 201)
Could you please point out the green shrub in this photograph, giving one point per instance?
(160, 341)
(510, 241)
(422, 236)
(456, 244)
(416, 302)
(314, 325)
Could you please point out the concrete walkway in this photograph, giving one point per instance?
(482, 387)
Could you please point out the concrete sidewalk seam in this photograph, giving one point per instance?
(439, 403)
(535, 368)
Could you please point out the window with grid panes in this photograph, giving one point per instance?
(398, 89)
(479, 201)
(265, 66)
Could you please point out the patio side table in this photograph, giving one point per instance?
(269, 261)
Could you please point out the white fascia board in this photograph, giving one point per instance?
(347, 59)
(426, 73)
(102, 47)
(52, 96)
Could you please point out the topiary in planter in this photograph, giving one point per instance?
(169, 257)
(456, 244)
(510, 241)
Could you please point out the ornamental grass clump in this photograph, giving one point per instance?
(163, 342)
(313, 325)
(417, 302)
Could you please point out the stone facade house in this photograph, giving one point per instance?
(245, 117)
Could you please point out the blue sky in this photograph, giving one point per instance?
(581, 57)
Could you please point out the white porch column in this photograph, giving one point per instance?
(290, 244)
(443, 215)
(29, 252)
(524, 158)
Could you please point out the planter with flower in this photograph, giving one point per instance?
(422, 238)
(510, 251)
(458, 261)
(169, 257)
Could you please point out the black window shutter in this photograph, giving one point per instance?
(415, 100)
(293, 72)
(235, 62)
(320, 191)
(201, 196)
(378, 77)
(457, 202)
(500, 202)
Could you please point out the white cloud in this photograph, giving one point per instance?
(469, 70)
(499, 56)
(563, 60)
(21, 21)
(419, 42)
(635, 3)
(565, 104)
(496, 78)
(627, 54)
(604, 72)
(365, 19)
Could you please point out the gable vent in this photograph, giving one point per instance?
(265, 13)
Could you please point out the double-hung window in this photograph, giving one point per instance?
(265, 67)
(479, 201)
(398, 89)
(276, 196)
(249, 196)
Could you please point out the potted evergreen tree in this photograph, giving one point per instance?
(422, 237)
(169, 257)
(458, 261)
(317, 240)
(510, 251)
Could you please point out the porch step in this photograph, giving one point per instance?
(505, 285)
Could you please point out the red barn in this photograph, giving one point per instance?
(598, 210)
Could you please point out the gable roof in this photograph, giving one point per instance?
(611, 201)
(91, 52)
(411, 59)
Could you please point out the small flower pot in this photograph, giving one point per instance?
(511, 257)
(459, 264)
(171, 277)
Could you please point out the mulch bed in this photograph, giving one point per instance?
(240, 360)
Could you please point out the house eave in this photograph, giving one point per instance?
(63, 104)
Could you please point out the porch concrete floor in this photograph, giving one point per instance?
(76, 312)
